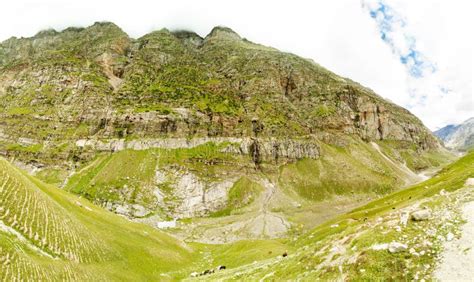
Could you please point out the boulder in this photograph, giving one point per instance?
(194, 274)
(449, 237)
(421, 215)
(122, 209)
(404, 218)
(379, 247)
(139, 211)
(396, 247)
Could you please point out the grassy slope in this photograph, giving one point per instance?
(109, 246)
(243, 192)
(133, 251)
(354, 169)
(355, 231)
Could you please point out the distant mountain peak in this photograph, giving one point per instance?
(223, 32)
(46, 32)
(458, 136)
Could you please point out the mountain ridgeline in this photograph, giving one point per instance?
(458, 136)
(171, 124)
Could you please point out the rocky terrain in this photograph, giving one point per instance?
(218, 144)
(69, 98)
(460, 136)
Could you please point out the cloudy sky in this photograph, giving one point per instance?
(417, 53)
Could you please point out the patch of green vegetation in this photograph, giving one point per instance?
(243, 192)
(209, 153)
(54, 176)
(161, 108)
(20, 111)
(245, 252)
(340, 171)
(324, 111)
(36, 148)
(126, 174)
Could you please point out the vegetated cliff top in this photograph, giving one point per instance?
(220, 85)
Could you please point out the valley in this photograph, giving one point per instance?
(174, 156)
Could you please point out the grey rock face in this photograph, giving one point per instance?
(458, 136)
(194, 197)
(262, 148)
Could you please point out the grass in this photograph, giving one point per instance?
(357, 168)
(243, 192)
(58, 223)
(370, 224)
(54, 176)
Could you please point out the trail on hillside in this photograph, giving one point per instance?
(458, 256)
(268, 223)
(411, 176)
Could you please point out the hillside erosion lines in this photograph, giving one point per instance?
(42, 221)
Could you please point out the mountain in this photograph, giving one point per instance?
(233, 139)
(170, 155)
(460, 136)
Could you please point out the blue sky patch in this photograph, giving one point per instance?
(391, 25)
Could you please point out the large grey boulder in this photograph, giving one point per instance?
(396, 247)
(421, 215)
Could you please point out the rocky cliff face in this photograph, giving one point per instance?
(97, 83)
(459, 136)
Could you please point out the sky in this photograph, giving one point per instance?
(416, 53)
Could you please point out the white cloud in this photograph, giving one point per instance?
(339, 35)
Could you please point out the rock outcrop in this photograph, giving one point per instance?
(179, 85)
(268, 149)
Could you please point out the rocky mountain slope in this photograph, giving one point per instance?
(212, 132)
(97, 83)
(460, 136)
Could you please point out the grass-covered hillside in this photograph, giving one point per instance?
(210, 187)
(355, 245)
(48, 234)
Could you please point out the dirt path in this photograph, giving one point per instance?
(411, 176)
(458, 256)
(273, 225)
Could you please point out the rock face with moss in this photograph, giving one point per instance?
(69, 98)
(99, 83)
